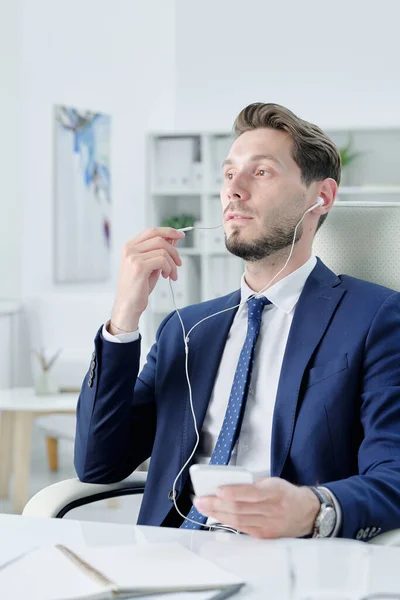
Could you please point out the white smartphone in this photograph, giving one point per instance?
(207, 478)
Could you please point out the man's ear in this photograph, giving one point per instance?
(327, 191)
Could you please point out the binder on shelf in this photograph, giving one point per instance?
(216, 237)
(220, 150)
(225, 275)
(217, 276)
(186, 289)
(197, 175)
(174, 160)
(199, 236)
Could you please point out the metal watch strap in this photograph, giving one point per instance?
(322, 496)
(327, 506)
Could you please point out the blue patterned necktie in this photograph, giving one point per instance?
(237, 400)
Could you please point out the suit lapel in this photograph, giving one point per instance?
(206, 345)
(313, 313)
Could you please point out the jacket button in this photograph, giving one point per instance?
(360, 534)
(172, 495)
(90, 382)
(366, 533)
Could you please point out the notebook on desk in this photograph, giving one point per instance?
(61, 573)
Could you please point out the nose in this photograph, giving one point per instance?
(236, 190)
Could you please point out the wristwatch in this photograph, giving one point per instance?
(325, 522)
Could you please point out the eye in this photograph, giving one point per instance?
(263, 172)
(229, 175)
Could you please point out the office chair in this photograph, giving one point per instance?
(362, 239)
(358, 238)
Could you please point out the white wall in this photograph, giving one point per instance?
(335, 63)
(10, 148)
(115, 56)
(158, 65)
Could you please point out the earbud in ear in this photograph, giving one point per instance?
(320, 202)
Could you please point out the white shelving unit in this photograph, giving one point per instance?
(185, 176)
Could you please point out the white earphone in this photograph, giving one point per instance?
(320, 202)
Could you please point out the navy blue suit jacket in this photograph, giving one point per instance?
(337, 413)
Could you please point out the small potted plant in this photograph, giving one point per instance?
(178, 222)
(347, 157)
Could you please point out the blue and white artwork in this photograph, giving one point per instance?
(82, 195)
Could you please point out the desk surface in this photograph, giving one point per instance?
(273, 570)
(24, 399)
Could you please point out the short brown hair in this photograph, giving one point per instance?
(313, 151)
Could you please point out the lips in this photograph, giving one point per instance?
(238, 217)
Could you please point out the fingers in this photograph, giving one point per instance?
(242, 523)
(164, 232)
(143, 259)
(212, 504)
(159, 243)
(160, 260)
(265, 489)
(243, 517)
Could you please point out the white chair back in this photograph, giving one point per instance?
(362, 239)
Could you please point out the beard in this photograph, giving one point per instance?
(271, 242)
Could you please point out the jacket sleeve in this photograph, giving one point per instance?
(116, 413)
(370, 501)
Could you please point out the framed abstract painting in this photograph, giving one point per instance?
(82, 190)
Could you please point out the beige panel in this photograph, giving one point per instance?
(363, 241)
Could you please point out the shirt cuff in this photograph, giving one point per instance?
(121, 338)
(338, 510)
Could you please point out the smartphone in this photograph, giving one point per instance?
(207, 478)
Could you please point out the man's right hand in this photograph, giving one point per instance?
(144, 258)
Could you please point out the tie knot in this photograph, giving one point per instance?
(256, 307)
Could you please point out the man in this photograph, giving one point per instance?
(310, 369)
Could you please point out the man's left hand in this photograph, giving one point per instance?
(269, 508)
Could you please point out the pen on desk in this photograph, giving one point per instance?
(13, 560)
(227, 592)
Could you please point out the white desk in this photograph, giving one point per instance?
(273, 570)
(18, 408)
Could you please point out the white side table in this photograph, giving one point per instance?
(9, 309)
(19, 407)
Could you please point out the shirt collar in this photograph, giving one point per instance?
(285, 293)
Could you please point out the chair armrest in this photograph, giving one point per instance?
(389, 538)
(58, 499)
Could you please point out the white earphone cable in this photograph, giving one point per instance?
(186, 343)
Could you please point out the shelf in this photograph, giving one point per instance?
(9, 307)
(368, 190)
(185, 177)
(176, 192)
(356, 190)
(350, 190)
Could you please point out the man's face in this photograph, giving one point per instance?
(263, 197)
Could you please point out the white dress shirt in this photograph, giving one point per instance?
(253, 449)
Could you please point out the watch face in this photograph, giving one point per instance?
(327, 522)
